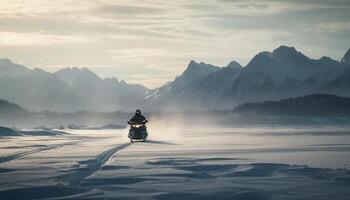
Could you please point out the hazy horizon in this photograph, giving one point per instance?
(150, 42)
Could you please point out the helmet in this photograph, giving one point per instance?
(138, 111)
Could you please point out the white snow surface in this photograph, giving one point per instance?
(179, 163)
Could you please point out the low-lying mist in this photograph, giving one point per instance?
(161, 121)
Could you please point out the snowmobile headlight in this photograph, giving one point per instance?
(137, 125)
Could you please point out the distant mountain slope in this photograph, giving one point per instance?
(10, 69)
(346, 59)
(208, 91)
(102, 94)
(70, 89)
(39, 90)
(36, 89)
(172, 95)
(284, 72)
(8, 108)
(198, 87)
(311, 105)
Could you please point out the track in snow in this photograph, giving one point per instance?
(78, 175)
(20, 154)
(103, 157)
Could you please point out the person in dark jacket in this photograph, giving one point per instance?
(138, 118)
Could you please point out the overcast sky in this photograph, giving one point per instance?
(152, 41)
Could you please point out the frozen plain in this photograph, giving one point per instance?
(179, 163)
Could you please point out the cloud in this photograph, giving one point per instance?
(331, 27)
(137, 55)
(129, 10)
(43, 8)
(37, 39)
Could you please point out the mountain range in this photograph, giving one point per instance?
(67, 90)
(282, 73)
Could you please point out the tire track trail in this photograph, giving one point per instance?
(16, 155)
(77, 176)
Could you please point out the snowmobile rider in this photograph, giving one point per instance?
(138, 118)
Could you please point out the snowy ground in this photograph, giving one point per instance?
(208, 163)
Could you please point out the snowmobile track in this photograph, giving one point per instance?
(20, 154)
(78, 175)
(103, 157)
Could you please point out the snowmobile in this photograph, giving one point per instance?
(138, 131)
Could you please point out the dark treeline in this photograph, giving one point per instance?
(317, 105)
